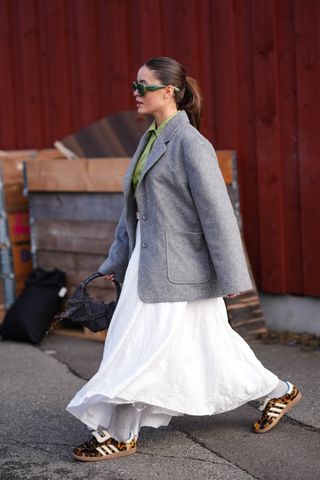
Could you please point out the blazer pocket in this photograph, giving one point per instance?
(187, 257)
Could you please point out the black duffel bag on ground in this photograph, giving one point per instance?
(30, 316)
(89, 312)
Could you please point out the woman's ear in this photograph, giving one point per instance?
(169, 92)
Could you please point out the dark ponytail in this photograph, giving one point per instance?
(189, 98)
(191, 101)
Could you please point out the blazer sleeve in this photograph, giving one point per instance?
(216, 215)
(118, 257)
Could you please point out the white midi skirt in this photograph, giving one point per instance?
(167, 359)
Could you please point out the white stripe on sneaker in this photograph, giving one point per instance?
(276, 409)
(106, 448)
(100, 450)
(114, 448)
(270, 414)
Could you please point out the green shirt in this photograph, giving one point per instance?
(154, 133)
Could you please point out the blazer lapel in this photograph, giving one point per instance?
(160, 145)
(158, 149)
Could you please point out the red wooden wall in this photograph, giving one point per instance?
(67, 63)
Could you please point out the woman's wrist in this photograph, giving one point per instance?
(232, 295)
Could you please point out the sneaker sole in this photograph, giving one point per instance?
(108, 456)
(276, 420)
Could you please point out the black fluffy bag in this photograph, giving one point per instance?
(86, 311)
(29, 317)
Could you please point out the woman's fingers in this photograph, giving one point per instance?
(109, 277)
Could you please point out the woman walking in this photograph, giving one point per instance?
(170, 349)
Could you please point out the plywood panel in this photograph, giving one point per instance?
(99, 207)
(12, 170)
(94, 174)
(74, 264)
(114, 136)
(81, 175)
(73, 236)
(14, 198)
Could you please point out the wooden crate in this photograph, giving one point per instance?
(16, 264)
(2, 307)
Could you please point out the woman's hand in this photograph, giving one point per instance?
(109, 278)
(232, 295)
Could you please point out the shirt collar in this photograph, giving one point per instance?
(153, 127)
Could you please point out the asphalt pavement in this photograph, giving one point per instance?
(37, 434)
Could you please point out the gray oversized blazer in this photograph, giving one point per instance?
(190, 242)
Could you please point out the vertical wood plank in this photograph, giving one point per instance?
(74, 68)
(31, 107)
(151, 25)
(8, 134)
(307, 15)
(17, 76)
(85, 30)
(224, 89)
(206, 67)
(180, 36)
(54, 69)
(268, 151)
(113, 56)
(244, 117)
(288, 132)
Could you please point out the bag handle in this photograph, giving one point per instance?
(97, 275)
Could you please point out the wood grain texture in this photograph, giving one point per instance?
(19, 228)
(80, 175)
(94, 174)
(76, 265)
(73, 236)
(288, 145)
(94, 207)
(68, 64)
(14, 199)
(22, 262)
(270, 177)
(308, 93)
(116, 135)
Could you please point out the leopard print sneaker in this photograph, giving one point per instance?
(273, 409)
(103, 447)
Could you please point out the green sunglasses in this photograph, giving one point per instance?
(142, 88)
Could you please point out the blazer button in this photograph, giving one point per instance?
(144, 244)
(144, 217)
